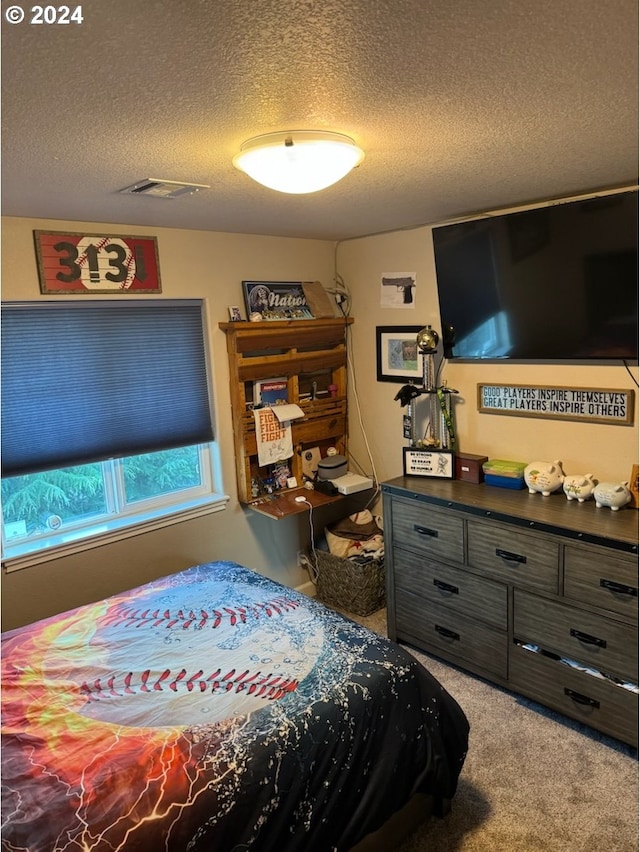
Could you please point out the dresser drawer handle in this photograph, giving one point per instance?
(448, 634)
(445, 587)
(582, 699)
(587, 639)
(619, 588)
(510, 557)
(425, 531)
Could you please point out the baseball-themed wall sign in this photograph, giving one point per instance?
(96, 263)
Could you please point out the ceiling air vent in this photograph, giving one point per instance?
(163, 188)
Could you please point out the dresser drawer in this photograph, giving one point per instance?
(446, 632)
(595, 701)
(596, 576)
(509, 555)
(598, 642)
(465, 593)
(429, 531)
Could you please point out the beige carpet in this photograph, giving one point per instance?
(533, 781)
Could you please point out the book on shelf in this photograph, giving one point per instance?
(270, 391)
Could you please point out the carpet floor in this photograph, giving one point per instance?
(533, 780)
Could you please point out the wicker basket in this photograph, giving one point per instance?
(354, 587)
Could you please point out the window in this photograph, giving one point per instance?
(67, 507)
(106, 421)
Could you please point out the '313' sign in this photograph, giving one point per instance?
(95, 263)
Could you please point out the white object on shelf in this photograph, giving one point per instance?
(544, 476)
(579, 487)
(351, 483)
(612, 494)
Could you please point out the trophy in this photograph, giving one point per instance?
(439, 431)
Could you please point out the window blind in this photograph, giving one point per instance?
(86, 381)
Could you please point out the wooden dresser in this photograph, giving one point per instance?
(537, 594)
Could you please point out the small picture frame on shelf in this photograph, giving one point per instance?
(234, 313)
(430, 463)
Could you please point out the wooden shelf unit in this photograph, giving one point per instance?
(307, 353)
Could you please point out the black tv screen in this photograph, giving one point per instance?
(554, 283)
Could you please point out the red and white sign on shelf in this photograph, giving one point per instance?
(96, 263)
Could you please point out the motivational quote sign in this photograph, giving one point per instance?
(592, 405)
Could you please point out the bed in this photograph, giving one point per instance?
(215, 709)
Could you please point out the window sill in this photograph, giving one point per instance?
(112, 531)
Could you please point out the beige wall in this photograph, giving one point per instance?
(210, 265)
(195, 264)
(606, 451)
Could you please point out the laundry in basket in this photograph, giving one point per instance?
(351, 574)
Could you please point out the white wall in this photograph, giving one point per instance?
(193, 264)
(607, 451)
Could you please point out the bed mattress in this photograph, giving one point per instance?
(215, 709)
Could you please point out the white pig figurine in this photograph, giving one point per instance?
(579, 488)
(544, 476)
(612, 494)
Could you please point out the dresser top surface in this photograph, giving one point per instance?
(554, 513)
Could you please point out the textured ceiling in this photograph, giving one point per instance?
(461, 106)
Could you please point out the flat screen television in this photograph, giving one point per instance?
(557, 283)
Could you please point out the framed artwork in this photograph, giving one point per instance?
(234, 313)
(433, 464)
(397, 355)
(75, 264)
(276, 300)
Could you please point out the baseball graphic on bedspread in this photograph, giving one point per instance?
(163, 661)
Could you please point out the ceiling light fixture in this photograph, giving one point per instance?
(298, 161)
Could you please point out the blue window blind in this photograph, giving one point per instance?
(87, 381)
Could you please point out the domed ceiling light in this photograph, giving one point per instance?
(298, 161)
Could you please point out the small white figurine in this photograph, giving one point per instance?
(612, 494)
(544, 477)
(579, 488)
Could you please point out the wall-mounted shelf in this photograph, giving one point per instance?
(311, 355)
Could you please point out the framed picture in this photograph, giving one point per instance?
(276, 300)
(433, 464)
(234, 313)
(397, 355)
(75, 264)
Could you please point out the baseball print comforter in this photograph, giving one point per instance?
(214, 709)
